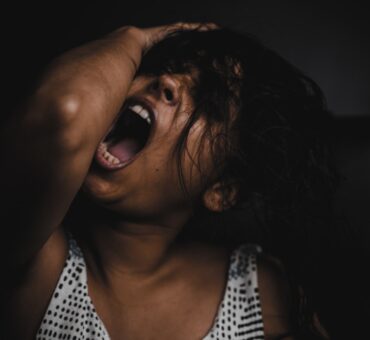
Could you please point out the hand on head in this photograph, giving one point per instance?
(156, 34)
(152, 35)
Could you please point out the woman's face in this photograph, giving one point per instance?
(147, 187)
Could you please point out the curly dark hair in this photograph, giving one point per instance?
(271, 142)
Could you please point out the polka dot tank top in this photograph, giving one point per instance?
(71, 314)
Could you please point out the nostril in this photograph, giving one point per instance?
(168, 94)
(169, 89)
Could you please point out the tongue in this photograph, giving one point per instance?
(125, 149)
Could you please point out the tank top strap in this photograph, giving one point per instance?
(74, 250)
(239, 316)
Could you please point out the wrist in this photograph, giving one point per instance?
(131, 42)
(134, 34)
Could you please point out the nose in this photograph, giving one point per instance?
(166, 89)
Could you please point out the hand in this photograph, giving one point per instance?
(155, 34)
(152, 35)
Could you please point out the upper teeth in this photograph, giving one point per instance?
(142, 112)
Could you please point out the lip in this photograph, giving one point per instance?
(99, 158)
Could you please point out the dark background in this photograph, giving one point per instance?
(328, 40)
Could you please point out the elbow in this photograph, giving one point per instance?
(67, 115)
(57, 107)
(59, 115)
(65, 109)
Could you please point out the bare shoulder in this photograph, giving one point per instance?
(278, 309)
(28, 294)
(275, 296)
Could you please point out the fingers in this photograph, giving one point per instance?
(193, 26)
(156, 34)
(210, 26)
(185, 26)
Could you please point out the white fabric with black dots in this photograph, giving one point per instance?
(71, 314)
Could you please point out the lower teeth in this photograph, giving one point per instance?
(108, 156)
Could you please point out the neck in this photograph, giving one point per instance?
(119, 249)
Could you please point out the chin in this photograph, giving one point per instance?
(97, 188)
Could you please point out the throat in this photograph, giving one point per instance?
(113, 256)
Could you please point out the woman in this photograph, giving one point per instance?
(184, 158)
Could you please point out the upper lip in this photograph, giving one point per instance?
(149, 106)
(146, 104)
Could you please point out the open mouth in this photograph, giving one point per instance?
(127, 136)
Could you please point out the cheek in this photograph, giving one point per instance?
(198, 164)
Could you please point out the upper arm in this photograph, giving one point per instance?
(278, 306)
(40, 176)
(276, 298)
(42, 169)
(27, 295)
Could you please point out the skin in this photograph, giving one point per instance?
(133, 262)
(146, 195)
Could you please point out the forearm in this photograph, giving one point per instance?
(88, 85)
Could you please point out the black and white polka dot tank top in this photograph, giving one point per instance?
(71, 314)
